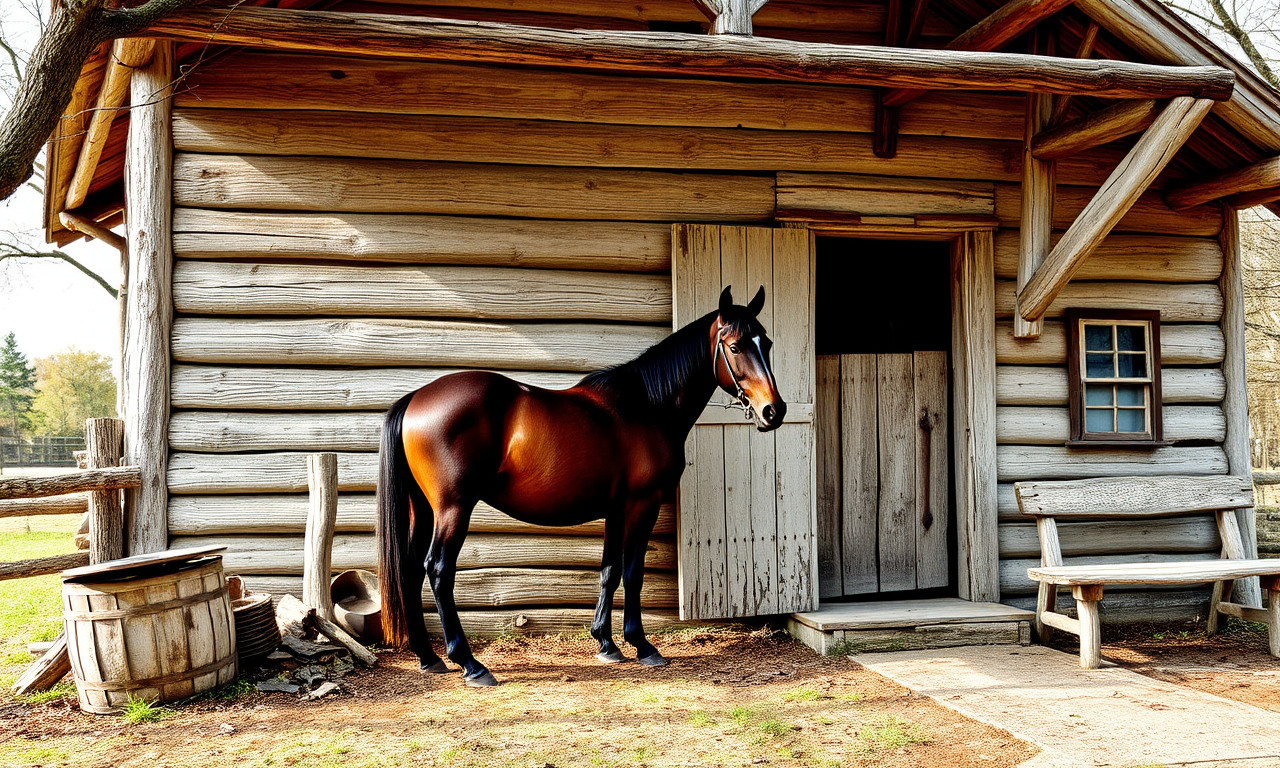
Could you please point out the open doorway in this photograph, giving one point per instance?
(883, 335)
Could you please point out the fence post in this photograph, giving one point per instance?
(322, 479)
(104, 444)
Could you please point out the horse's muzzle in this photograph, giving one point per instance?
(771, 416)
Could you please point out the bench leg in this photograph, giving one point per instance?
(1271, 589)
(1046, 600)
(1221, 591)
(1087, 599)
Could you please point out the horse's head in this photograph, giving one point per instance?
(740, 355)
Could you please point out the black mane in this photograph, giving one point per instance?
(662, 372)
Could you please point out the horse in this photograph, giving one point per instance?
(612, 446)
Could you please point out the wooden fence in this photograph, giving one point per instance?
(94, 491)
(1267, 512)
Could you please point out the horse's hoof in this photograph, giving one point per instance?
(614, 657)
(439, 668)
(655, 660)
(483, 680)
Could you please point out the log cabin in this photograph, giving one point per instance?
(1000, 243)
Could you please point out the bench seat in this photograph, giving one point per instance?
(1155, 573)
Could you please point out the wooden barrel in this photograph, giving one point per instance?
(155, 636)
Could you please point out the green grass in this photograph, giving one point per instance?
(229, 692)
(891, 732)
(143, 711)
(31, 609)
(802, 694)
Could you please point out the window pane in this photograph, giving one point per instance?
(1131, 394)
(1098, 367)
(1131, 337)
(1097, 337)
(1131, 366)
(1131, 420)
(1097, 394)
(1098, 420)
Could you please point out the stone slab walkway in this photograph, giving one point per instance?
(1080, 718)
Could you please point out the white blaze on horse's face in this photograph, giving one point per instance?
(745, 371)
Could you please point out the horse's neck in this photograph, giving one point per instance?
(696, 390)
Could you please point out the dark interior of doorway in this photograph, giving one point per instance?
(885, 297)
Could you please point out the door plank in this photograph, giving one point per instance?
(896, 412)
(738, 502)
(826, 422)
(860, 473)
(932, 447)
(764, 493)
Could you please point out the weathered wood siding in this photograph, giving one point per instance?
(348, 229)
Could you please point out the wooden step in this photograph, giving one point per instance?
(890, 625)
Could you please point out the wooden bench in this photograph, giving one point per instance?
(1143, 497)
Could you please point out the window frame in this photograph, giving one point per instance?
(1079, 436)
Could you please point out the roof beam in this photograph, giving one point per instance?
(1261, 177)
(1117, 195)
(1114, 122)
(1006, 23)
(674, 53)
(730, 17)
(125, 56)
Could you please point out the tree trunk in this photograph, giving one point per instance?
(50, 79)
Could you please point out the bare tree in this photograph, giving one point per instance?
(74, 30)
(1250, 24)
(14, 68)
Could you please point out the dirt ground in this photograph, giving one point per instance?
(1234, 664)
(728, 697)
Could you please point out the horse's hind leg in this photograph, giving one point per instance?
(414, 574)
(610, 576)
(442, 565)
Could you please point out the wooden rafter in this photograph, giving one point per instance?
(1088, 40)
(1114, 122)
(1118, 194)
(885, 130)
(421, 39)
(125, 56)
(730, 17)
(1259, 181)
(1008, 22)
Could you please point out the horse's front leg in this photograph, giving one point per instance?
(639, 526)
(442, 566)
(610, 575)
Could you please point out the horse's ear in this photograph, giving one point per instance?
(726, 299)
(757, 302)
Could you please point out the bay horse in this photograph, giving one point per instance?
(610, 447)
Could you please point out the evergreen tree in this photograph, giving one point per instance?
(17, 386)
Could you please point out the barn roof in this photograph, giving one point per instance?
(1240, 131)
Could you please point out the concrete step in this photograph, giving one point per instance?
(901, 625)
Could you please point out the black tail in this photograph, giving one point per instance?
(393, 526)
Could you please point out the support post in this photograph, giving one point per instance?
(1036, 227)
(104, 439)
(1088, 598)
(1235, 403)
(322, 514)
(1119, 192)
(149, 314)
(731, 17)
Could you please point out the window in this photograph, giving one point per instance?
(1114, 376)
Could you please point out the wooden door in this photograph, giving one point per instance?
(882, 469)
(746, 509)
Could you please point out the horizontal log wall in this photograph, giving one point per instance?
(387, 222)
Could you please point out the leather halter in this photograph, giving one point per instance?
(744, 402)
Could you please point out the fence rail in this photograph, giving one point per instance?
(40, 451)
(95, 491)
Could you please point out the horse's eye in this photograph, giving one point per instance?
(733, 348)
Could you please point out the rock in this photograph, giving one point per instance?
(279, 656)
(226, 728)
(305, 649)
(323, 690)
(277, 686)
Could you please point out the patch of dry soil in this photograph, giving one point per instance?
(727, 698)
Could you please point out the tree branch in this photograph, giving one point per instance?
(13, 58)
(119, 22)
(1230, 26)
(13, 252)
